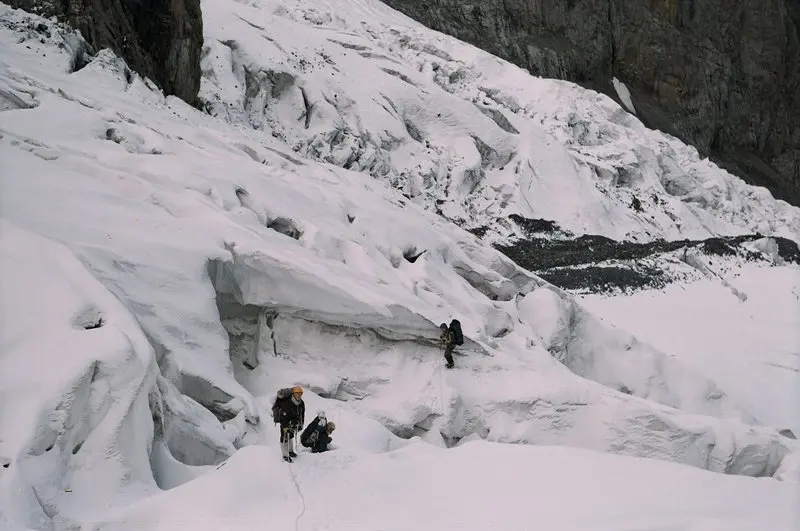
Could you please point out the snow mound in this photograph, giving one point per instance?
(75, 375)
(617, 359)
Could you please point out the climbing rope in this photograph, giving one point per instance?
(441, 389)
(442, 348)
(299, 492)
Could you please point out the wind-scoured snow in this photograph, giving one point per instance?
(188, 264)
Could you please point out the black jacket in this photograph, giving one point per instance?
(291, 414)
(315, 435)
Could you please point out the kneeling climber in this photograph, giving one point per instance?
(317, 434)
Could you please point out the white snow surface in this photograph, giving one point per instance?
(757, 362)
(479, 485)
(165, 271)
(624, 94)
(70, 394)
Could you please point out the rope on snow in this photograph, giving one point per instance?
(441, 389)
(299, 492)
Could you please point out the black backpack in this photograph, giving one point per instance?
(458, 336)
(282, 395)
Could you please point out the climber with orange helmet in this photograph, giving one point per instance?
(290, 414)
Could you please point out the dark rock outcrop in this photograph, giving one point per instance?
(722, 75)
(159, 39)
(596, 264)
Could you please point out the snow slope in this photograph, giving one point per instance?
(75, 374)
(224, 264)
(459, 130)
(502, 487)
(761, 357)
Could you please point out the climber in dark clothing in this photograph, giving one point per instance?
(317, 434)
(447, 338)
(291, 416)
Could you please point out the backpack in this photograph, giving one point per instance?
(455, 328)
(311, 433)
(281, 396)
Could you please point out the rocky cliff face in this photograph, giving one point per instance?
(722, 75)
(159, 39)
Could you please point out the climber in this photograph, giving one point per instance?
(446, 338)
(449, 340)
(450, 337)
(290, 414)
(317, 434)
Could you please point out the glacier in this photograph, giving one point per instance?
(167, 269)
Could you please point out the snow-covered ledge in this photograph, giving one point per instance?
(260, 284)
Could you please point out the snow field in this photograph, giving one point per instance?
(204, 244)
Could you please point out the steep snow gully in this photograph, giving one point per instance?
(165, 270)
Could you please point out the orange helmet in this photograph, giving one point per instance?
(297, 390)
